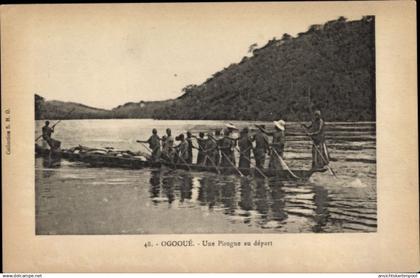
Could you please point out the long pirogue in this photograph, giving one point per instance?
(100, 158)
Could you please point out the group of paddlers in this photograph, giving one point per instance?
(218, 150)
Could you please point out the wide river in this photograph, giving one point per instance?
(75, 199)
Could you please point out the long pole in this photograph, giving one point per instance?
(230, 162)
(256, 168)
(160, 159)
(284, 164)
(180, 156)
(323, 159)
(208, 157)
(146, 147)
(233, 165)
(313, 143)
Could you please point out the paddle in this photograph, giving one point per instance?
(284, 165)
(322, 156)
(256, 168)
(207, 157)
(68, 114)
(180, 156)
(227, 158)
(233, 165)
(160, 159)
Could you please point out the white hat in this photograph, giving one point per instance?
(230, 125)
(280, 124)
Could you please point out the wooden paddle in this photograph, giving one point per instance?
(326, 162)
(144, 145)
(184, 162)
(227, 158)
(207, 157)
(160, 159)
(284, 165)
(233, 165)
(322, 156)
(256, 168)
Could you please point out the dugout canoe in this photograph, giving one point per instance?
(136, 162)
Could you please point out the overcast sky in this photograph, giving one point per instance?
(104, 56)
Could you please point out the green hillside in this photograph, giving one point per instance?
(329, 67)
(142, 109)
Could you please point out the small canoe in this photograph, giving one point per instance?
(100, 159)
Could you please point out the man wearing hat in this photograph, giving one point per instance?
(320, 156)
(261, 146)
(277, 145)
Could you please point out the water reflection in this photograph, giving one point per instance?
(321, 208)
(185, 187)
(228, 196)
(168, 189)
(50, 162)
(278, 202)
(264, 203)
(268, 204)
(246, 202)
(155, 186)
(208, 192)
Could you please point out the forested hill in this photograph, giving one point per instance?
(330, 67)
(54, 109)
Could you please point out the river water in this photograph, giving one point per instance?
(72, 198)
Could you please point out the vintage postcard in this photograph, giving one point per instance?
(270, 137)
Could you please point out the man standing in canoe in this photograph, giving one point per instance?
(227, 147)
(154, 145)
(190, 147)
(212, 151)
(201, 156)
(277, 145)
(245, 147)
(168, 149)
(46, 132)
(213, 146)
(320, 156)
(182, 149)
(261, 146)
(46, 135)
